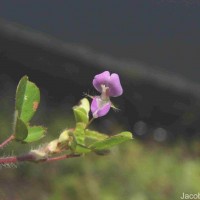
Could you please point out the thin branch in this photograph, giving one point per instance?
(61, 157)
(15, 159)
(30, 157)
(3, 144)
(89, 122)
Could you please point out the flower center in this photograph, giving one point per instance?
(104, 93)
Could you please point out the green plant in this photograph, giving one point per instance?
(72, 142)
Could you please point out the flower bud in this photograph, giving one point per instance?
(39, 154)
(64, 136)
(52, 147)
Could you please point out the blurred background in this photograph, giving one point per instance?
(61, 45)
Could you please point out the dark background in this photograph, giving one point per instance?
(160, 33)
(153, 45)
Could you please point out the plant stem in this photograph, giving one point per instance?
(89, 122)
(61, 157)
(14, 159)
(30, 157)
(8, 140)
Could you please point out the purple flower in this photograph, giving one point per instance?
(110, 82)
(109, 86)
(100, 107)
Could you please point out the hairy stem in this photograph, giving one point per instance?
(8, 140)
(61, 157)
(30, 157)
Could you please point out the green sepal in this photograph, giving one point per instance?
(21, 130)
(111, 141)
(27, 99)
(35, 133)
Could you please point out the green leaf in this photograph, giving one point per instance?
(79, 133)
(82, 149)
(84, 103)
(111, 141)
(21, 130)
(75, 147)
(35, 133)
(93, 136)
(81, 112)
(80, 115)
(27, 99)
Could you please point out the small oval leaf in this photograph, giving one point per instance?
(93, 136)
(81, 112)
(27, 99)
(21, 130)
(85, 104)
(35, 133)
(80, 115)
(82, 149)
(111, 141)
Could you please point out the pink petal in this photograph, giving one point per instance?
(101, 79)
(115, 88)
(99, 107)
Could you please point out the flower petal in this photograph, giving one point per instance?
(104, 110)
(115, 88)
(94, 105)
(99, 107)
(101, 79)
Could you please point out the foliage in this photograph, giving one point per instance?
(72, 141)
(135, 171)
(143, 171)
(26, 103)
